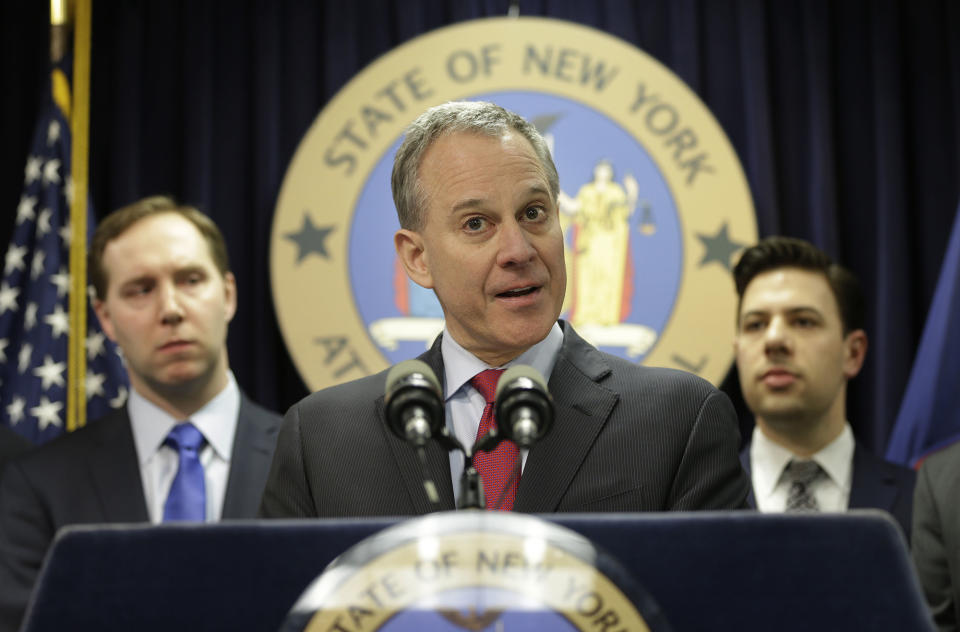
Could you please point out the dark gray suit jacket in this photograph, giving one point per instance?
(625, 438)
(11, 444)
(936, 535)
(876, 484)
(92, 476)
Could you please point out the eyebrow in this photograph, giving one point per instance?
(478, 202)
(467, 204)
(143, 278)
(792, 311)
(190, 268)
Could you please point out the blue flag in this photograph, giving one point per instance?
(929, 417)
(34, 295)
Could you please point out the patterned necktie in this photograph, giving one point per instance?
(187, 498)
(496, 468)
(801, 475)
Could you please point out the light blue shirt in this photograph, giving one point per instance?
(464, 404)
(217, 420)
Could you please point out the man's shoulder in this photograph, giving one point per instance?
(943, 464)
(11, 443)
(251, 409)
(72, 446)
(606, 367)
(646, 394)
(356, 393)
(660, 379)
(870, 464)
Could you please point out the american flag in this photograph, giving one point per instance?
(34, 297)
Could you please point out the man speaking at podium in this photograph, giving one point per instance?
(476, 193)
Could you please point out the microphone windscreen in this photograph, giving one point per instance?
(409, 367)
(517, 371)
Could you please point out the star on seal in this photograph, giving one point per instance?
(719, 247)
(310, 239)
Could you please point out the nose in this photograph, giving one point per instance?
(777, 338)
(515, 246)
(171, 310)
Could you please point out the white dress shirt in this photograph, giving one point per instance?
(217, 420)
(768, 460)
(464, 404)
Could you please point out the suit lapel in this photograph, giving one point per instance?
(116, 471)
(871, 485)
(438, 460)
(745, 462)
(582, 407)
(250, 461)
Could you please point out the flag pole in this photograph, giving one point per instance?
(59, 29)
(80, 127)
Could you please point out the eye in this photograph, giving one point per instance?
(136, 289)
(475, 224)
(534, 213)
(191, 277)
(804, 322)
(752, 325)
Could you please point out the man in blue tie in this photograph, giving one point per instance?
(188, 445)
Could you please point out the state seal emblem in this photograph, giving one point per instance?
(654, 202)
(475, 572)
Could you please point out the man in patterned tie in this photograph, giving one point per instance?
(476, 193)
(799, 339)
(188, 445)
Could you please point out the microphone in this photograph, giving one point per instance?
(523, 408)
(414, 402)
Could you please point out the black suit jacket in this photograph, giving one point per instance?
(936, 535)
(876, 484)
(11, 444)
(625, 438)
(93, 476)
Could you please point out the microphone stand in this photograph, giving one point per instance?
(471, 486)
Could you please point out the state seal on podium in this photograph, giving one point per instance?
(476, 571)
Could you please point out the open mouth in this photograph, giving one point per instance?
(523, 291)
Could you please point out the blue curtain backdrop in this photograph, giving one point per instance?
(845, 115)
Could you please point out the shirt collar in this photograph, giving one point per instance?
(836, 458)
(216, 420)
(459, 365)
(769, 459)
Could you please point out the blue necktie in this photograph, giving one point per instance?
(187, 498)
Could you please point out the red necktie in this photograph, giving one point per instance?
(496, 468)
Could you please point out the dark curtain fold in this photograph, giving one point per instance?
(845, 115)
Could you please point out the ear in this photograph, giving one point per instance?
(412, 253)
(855, 352)
(103, 315)
(229, 295)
